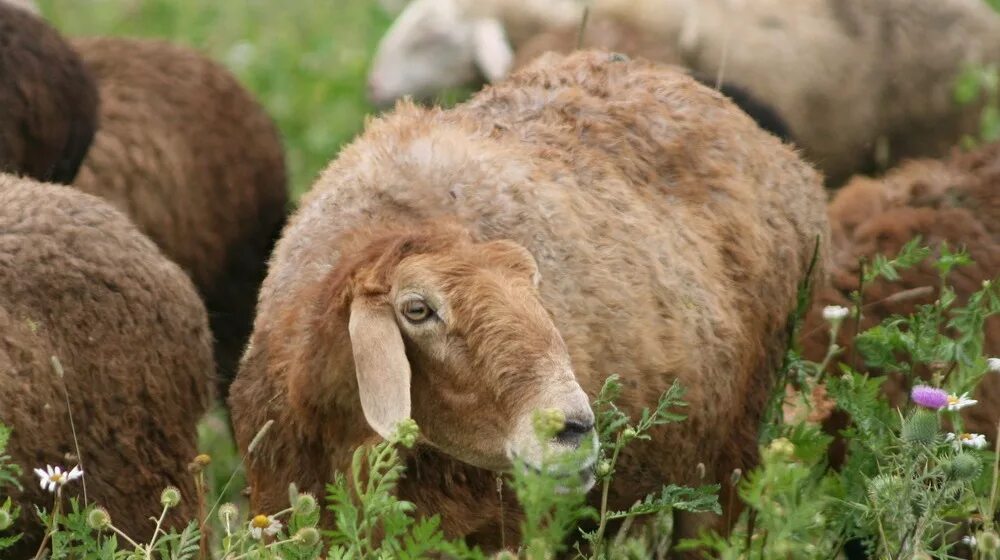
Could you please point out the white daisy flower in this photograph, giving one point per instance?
(53, 478)
(969, 540)
(264, 525)
(993, 364)
(975, 441)
(958, 403)
(835, 312)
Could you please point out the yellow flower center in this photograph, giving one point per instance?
(952, 399)
(966, 437)
(261, 522)
(57, 478)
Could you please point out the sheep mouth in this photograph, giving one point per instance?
(582, 479)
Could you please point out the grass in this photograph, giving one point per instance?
(304, 60)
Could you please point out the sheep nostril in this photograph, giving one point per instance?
(574, 431)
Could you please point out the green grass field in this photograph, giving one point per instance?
(305, 60)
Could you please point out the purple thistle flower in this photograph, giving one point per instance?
(929, 397)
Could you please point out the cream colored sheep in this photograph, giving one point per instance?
(28, 5)
(860, 83)
(589, 216)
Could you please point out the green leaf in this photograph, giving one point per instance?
(967, 86)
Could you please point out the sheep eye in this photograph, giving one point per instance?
(417, 311)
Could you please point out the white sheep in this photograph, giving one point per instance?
(862, 84)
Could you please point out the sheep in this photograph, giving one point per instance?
(954, 200)
(859, 83)
(28, 5)
(48, 98)
(96, 321)
(611, 33)
(196, 162)
(590, 215)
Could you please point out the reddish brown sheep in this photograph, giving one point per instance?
(80, 284)
(957, 201)
(48, 101)
(195, 161)
(590, 216)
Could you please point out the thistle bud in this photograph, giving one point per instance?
(885, 488)
(922, 428)
(964, 466)
(603, 469)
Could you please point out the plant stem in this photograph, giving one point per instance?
(993, 488)
(55, 523)
(121, 534)
(156, 532)
(605, 487)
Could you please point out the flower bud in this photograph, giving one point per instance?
(407, 432)
(988, 542)
(735, 476)
(628, 434)
(885, 489)
(170, 497)
(781, 447)
(228, 512)
(98, 519)
(835, 313)
(304, 504)
(964, 466)
(603, 469)
(548, 422)
(921, 428)
(307, 536)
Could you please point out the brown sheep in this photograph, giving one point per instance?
(194, 160)
(615, 34)
(956, 200)
(48, 100)
(80, 284)
(589, 216)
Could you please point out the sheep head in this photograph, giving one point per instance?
(434, 45)
(453, 333)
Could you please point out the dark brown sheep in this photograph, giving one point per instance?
(79, 283)
(956, 200)
(590, 215)
(194, 160)
(48, 101)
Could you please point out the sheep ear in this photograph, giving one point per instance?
(381, 365)
(492, 50)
